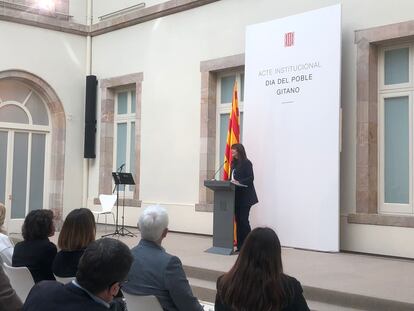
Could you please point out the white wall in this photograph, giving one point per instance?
(169, 50)
(78, 11)
(59, 59)
(103, 7)
(381, 240)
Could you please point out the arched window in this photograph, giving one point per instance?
(24, 153)
(20, 104)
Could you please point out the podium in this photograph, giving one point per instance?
(223, 218)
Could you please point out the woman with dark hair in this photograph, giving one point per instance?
(36, 252)
(78, 231)
(256, 281)
(245, 196)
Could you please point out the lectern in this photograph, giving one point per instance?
(223, 218)
(121, 179)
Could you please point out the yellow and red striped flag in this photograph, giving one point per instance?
(233, 133)
(233, 137)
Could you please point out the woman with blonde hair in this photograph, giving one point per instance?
(6, 245)
(78, 231)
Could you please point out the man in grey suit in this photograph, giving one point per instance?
(154, 271)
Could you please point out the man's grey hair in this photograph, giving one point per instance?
(152, 222)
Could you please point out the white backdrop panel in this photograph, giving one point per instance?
(292, 126)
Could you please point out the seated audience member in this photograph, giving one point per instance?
(36, 252)
(8, 297)
(155, 272)
(102, 269)
(78, 231)
(6, 245)
(256, 281)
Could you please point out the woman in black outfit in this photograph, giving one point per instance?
(256, 281)
(36, 252)
(78, 231)
(245, 197)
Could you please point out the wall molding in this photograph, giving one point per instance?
(382, 220)
(146, 14)
(116, 23)
(41, 21)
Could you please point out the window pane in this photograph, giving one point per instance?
(396, 66)
(18, 205)
(224, 127)
(121, 143)
(14, 114)
(242, 87)
(37, 109)
(227, 84)
(396, 150)
(132, 154)
(241, 127)
(133, 102)
(123, 103)
(37, 171)
(3, 166)
(13, 90)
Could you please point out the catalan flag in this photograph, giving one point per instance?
(233, 133)
(233, 137)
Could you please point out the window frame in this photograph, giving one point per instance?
(392, 91)
(209, 70)
(55, 131)
(368, 44)
(225, 108)
(127, 118)
(394, 208)
(382, 87)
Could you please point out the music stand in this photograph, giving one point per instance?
(121, 179)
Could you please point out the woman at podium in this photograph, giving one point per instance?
(245, 196)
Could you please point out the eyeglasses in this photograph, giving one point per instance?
(120, 283)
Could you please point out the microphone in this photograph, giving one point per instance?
(218, 170)
(121, 167)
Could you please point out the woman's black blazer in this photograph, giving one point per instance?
(243, 173)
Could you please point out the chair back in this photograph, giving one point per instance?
(64, 280)
(5, 256)
(6, 249)
(107, 202)
(20, 279)
(138, 303)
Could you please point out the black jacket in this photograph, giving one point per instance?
(38, 256)
(66, 263)
(52, 296)
(296, 301)
(243, 173)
